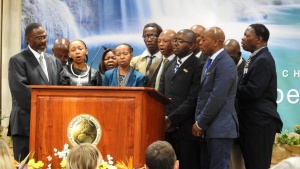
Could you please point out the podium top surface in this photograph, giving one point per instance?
(149, 90)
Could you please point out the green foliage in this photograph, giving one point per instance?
(285, 139)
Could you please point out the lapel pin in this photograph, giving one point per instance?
(208, 73)
(185, 70)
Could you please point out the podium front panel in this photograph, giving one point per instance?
(129, 120)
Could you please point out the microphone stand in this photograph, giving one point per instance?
(90, 71)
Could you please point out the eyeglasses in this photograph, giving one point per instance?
(41, 37)
(149, 36)
(180, 41)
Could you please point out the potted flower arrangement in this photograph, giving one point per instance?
(286, 145)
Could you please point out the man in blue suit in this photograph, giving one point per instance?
(216, 118)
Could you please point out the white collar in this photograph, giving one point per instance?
(240, 62)
(36, 54)
(146, 53)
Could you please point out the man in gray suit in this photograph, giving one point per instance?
(30, 67)
(216, 118)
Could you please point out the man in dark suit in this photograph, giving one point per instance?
(166, 49)
(30, 67)
(256, 96)
(180, 82)
(216, 118)
(233, 49)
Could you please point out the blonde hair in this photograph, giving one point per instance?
(84, 156)
(6, 160)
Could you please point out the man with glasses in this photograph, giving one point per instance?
(29, 67)
(180, 82)
(142, 62)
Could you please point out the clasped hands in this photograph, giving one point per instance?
(196, 131)
(168, 127)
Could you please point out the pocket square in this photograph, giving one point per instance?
(185, 70)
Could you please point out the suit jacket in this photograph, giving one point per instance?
(203, 58)
(215, 112)
(139, 64)
(181, 88)
(24, 69)
(257, 93)
(111, 78)
(153, 71)
(240, 68)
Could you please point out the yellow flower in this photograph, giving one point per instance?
(31, 162)
(63, 164)
(39, 164)
(297, 129)
(122, 165)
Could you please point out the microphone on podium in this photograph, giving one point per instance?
(90, 71)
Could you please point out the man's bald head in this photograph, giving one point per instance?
(164, 42)
(233, 49)
(197, 29)
(60, 49)
(212, 40)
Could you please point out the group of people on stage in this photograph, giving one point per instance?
(218, 98)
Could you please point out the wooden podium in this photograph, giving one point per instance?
(130, 119)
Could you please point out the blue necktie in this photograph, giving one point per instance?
(178, 63)
(208, 64)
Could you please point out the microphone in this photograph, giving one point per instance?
(90, 71)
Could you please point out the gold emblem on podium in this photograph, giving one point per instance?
(84, 128)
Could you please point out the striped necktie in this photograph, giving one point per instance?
(43, 65)
(178, 63)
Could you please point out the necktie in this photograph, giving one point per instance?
(43, 65)
(159, 73)
(178, 63)
(149, 63)
(208, 64)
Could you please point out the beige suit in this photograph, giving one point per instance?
(139, 64)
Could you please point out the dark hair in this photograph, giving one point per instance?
(160, 155)
(261, 30)
(86, 59)
(30, 27)
(126, 44)
(155, 25)
(102, 68)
